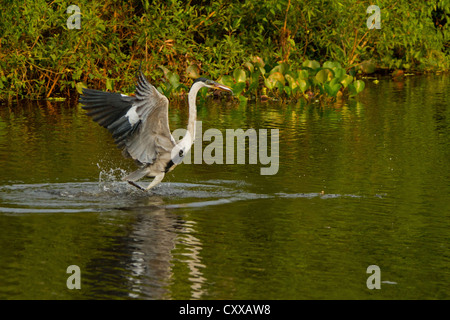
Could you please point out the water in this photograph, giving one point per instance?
(360, 182)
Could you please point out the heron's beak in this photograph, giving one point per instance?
(221, 87)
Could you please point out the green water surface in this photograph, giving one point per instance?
(360, 182)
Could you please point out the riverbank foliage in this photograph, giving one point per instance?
(240, 43)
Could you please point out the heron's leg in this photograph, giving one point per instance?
(135, 185)
(157, 180)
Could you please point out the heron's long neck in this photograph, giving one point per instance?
(193, 109)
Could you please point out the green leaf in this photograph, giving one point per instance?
(281, 68)
(313, 64)
(303, 74)
(238, 88)
(253, 86)
(288, 91)
(239, 75)
(324, 75)
(332, 90)
(165, 70)
(174, 79)
(227, 80)
(274, 80)
(109, 84)
(351, 89)
(356, 87)
(303, 84)
(262, 70)
(257, 61)
(347, 80)
(331, 64)
(270, 83)
(333, 82)
(359, 86)
(292, 82)
(77, 74)
(80, 86)
(249, 66)
(339, 73)
(193, 71)
(277, 76)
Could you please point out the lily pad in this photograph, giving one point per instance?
(249, 66)
(193, 71)
(331, 64)
(324, 75)
(278, 76)
(227, 80)
(356, 87)
(359, 85)
(303, 74)
(313, 64)
(292, 82)
(281, 68)
(257, 61)
(274, 80)
(332, 90)
(239, 75)
(347, 80)
(339, 73)
(303, 84)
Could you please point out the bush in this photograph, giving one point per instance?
(40, 57)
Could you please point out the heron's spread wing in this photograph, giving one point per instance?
(138, 124)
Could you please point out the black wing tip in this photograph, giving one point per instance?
(142, 86)
(87, 96)
(139, 71)
(88, 91)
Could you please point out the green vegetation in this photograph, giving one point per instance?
(284, 81)
(268, 48)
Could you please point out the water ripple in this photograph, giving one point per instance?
(103, 196)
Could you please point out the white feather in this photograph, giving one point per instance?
(132, 115)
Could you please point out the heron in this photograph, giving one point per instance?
(139, 125)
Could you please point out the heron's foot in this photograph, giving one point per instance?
(136, 185)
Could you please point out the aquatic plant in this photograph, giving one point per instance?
(284, 81)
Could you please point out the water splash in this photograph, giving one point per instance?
(110, 180)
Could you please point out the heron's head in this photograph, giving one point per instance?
(212, 84)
